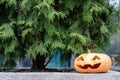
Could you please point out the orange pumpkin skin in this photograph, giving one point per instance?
(92, 62)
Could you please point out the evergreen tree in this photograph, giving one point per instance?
(37, 27)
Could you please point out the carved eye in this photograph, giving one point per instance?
(95, 58)
(81, 58)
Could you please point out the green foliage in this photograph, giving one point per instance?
(40, 26)
(104, 29)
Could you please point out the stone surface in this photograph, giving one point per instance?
(110, 75)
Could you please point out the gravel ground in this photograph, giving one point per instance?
(110, 75)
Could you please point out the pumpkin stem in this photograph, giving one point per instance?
(89, 51)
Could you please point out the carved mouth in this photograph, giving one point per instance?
(88, 65)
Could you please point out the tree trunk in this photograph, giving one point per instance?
(39, 62)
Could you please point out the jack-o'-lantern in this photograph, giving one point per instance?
(92, 62)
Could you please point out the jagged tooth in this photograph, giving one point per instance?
(92, 64)
(80, 63)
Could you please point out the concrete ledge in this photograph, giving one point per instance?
(110, 75)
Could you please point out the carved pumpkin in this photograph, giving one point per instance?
(92, 62)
